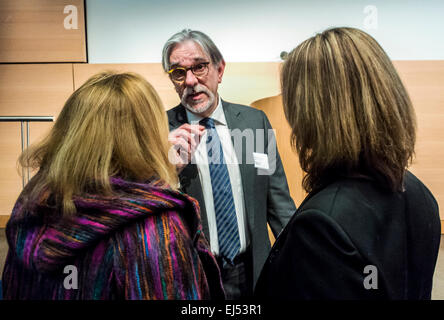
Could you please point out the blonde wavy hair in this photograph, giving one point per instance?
(113, 125)
(348, 109)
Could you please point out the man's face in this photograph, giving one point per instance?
(197, 94)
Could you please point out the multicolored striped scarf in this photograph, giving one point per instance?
(145, 244)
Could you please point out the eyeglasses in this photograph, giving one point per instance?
(180, 73)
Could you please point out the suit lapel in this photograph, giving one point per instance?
(177, 117)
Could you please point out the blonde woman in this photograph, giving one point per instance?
(368, 229)
(102, 218)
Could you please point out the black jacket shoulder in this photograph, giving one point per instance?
(347, 226)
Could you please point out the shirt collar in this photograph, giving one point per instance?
(218, 115)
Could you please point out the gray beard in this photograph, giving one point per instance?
(197, 88)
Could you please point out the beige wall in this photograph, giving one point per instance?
(42, 90)
(26, 90)
(34, 31)
(425, 83)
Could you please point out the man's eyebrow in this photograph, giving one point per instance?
(200, 59)
(174, 65)
(197, 60)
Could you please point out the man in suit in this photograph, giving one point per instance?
(227, 160)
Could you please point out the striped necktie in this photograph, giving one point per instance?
(226, 219)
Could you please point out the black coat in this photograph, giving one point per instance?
(348, 225)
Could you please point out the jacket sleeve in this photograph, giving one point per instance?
(156, 258)
(280, 205)
(315, 259)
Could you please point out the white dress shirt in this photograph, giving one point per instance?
(200, 158)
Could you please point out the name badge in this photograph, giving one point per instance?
(261, 160)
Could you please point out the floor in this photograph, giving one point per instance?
(438, 280)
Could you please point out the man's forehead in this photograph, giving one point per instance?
(186, 52)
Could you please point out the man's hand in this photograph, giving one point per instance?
(185, 140)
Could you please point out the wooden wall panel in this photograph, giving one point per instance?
(242, 82)
(10, 149)
(245, 82)
(43, 89)
(34, 31)
(27, 90)
(10, 181)
(272, 107)
(152, 72)
(34, 89)
(424, 81)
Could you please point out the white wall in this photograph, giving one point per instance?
(126, 31)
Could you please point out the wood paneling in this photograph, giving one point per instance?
(43, 89)
(34, 31)
(152, 72)
(245, 82)
(272, 107)
(10, 181)
(11, 174)
(424, 81)
(4, 220)
(242, 82)
(34, 89)
(27, 90)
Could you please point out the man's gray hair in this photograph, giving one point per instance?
(200, 38)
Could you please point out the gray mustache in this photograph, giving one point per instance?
(197, 89)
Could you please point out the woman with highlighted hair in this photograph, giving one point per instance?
(102, 217)
(368, 229)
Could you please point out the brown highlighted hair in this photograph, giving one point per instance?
(113, 125)
(348, 110)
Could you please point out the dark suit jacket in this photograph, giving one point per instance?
(266, 197)
(346, 226)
